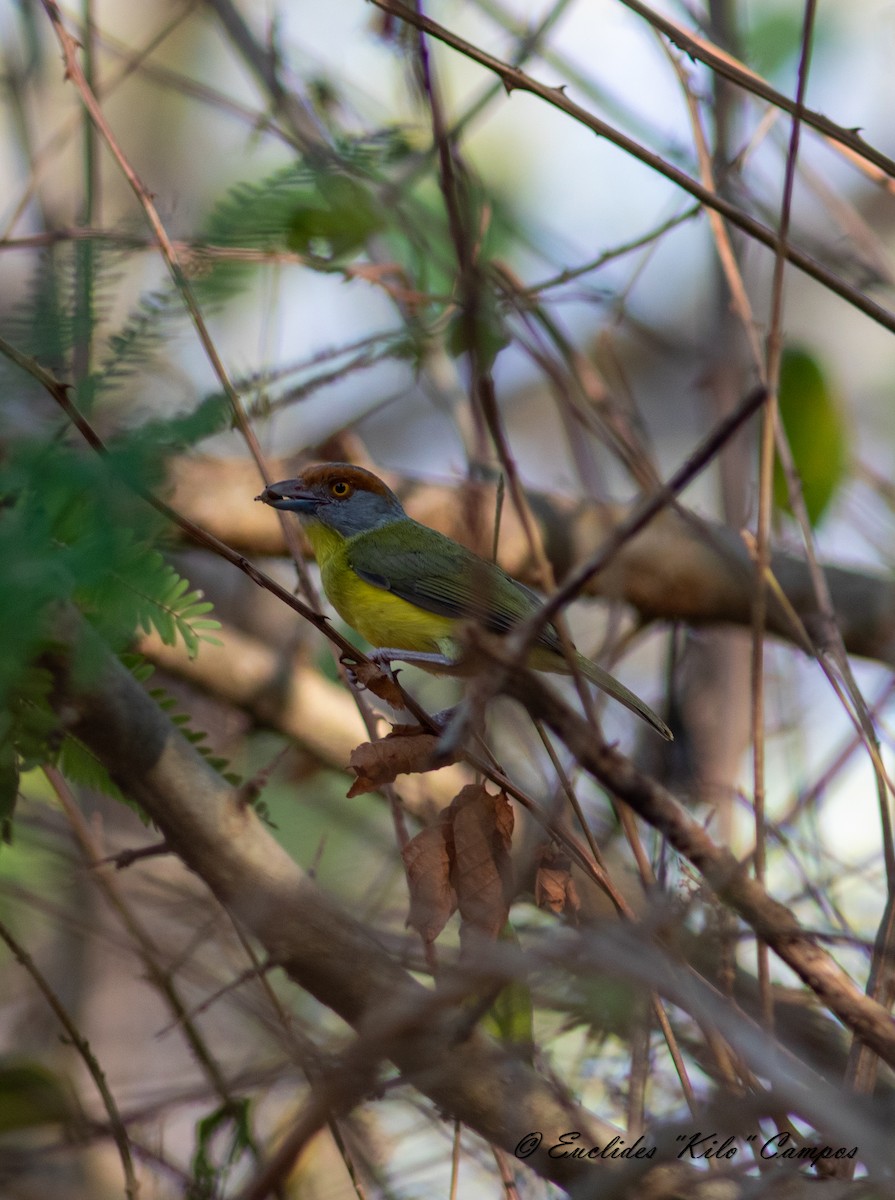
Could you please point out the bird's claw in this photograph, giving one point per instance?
(383, 659)
(375, 676)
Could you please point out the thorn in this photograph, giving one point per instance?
(124, 858)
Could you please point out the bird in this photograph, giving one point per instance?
(405, 587)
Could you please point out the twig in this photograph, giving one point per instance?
(159, 976)
(727, 66)
(644, 512)
(774, 922)
(80, 1043)
(516, 80)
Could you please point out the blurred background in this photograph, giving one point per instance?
(295, 155)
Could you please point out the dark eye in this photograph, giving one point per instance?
(340, 488)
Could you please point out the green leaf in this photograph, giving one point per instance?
(32, 1096)
(511, 1017)
(29, 722)
(198, 738)
(483, 331)
(335, 220)
(145, 592)
(811, 415)
(81, 766)
(773, 35)
(605, 1005)
(9, 789)
(315, 208)
(229, 1126)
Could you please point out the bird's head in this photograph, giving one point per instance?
(347, 499)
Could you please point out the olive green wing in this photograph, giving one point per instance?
(439, 575)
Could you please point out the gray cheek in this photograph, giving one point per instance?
(339, 519)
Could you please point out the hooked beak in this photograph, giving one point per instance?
(290, 496)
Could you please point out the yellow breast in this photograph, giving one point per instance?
(377, 615)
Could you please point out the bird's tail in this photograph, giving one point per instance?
(611, 686)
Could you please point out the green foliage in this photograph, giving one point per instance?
(773, 35)
(30, 736)
(29, 723)
(812, 418)
(196, 737)
(325, 208)
(329, 210)
(230, 1123)
(130, 348)
(421, 240)
(511, 1017)
(9, 788)
(73, 288)
(32, 1096)
(335, 220)
(184, 430)
(481, 331)
(73, 527)
(72, 533)
(606, 1006)
(144, 592)
(773, 38)
(81, 766)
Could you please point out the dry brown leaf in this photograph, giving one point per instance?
(554, 886)
(482, 875)
(462, 862)
(400, 753)
(381, 683)
(427, 859)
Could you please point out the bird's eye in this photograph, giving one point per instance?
(340, 488)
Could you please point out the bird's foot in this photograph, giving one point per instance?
(377, 677)
(454, 725)
(442, 719)
(385, 655)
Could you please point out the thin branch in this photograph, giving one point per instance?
(771, 378)
(516, 80)
(80, 1043)
(148, 953)
(644, 512)
(724, 64)
(320, 946)
(774, 922)
(59, 392)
